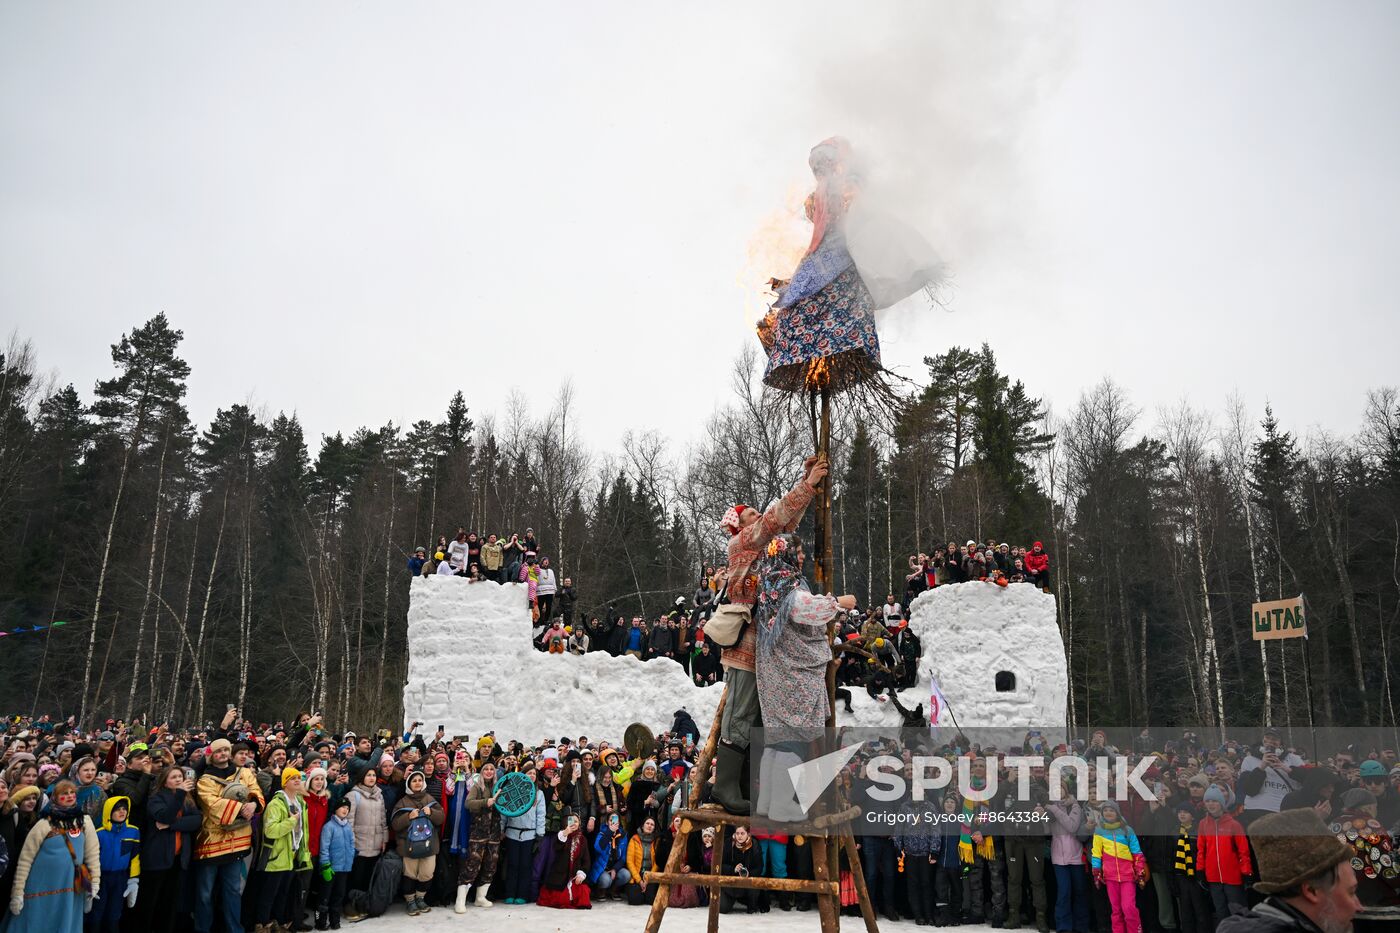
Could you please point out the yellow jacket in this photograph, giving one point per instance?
(225, 832)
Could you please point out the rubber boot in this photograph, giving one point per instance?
(461, 906)
(480, 899)
(728, 792)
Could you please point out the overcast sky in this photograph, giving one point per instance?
(353, 209)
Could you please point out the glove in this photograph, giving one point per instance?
(1098, 877)
(16, 905)
(87, 903)
(327, 873)
(132, 886)
(578, 877)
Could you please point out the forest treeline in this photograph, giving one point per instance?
(195, 566)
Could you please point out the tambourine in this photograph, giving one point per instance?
(515, 794)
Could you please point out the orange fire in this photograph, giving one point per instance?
(818, 374)
(774, 250)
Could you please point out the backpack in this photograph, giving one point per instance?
(383, 886)
(418, 837)
(726, 627)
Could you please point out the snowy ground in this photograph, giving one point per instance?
(620, 918)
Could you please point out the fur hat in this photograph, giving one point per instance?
(21, 793)
(1292, 846)
(1358, 797)
(220, 745)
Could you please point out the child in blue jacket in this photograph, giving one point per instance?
(120, 845)
(337, 858)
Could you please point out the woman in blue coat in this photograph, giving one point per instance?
(609, 874)
(59, 870)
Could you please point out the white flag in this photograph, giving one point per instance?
(936, 703)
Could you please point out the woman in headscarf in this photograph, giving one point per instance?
(91, 795)
(793, 654)
(561, 869)
(644, 798)
(58, 870)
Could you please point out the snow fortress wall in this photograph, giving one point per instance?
(997, 653)
(471, 668)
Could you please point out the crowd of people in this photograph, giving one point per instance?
(273, 827)
(502, 559)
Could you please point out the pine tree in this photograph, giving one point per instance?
(150, 382)
(950, 396)
(1274, 471)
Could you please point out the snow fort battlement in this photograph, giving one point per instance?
(997, 655)
(472, 668)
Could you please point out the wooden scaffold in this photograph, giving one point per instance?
(831, 832)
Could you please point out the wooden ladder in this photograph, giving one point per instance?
(825, 856)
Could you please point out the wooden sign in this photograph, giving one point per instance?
(1282, 618)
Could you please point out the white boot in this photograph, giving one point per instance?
(461, 906)
(480, 899)
(784, 807)
(765, 783)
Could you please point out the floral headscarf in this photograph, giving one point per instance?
(778, 578)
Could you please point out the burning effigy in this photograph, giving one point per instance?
(820, 332)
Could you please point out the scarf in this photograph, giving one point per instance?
(778, 578)
(293, 810)
(966, 847)
(646, 852)
(460, 827)
(614, 838)
(66, 820)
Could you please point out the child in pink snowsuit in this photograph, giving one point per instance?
(1119, 865)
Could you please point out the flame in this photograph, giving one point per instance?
(774, 250)
(818, 374)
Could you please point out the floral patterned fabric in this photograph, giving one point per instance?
(792, 670)
(793, 651)
(837, 324)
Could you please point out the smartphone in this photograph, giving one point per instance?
(189, 774)
(442, 728)
(232, 707)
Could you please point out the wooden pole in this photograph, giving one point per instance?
(824, 577)
(716, 862)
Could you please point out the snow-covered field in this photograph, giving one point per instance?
(618, 918)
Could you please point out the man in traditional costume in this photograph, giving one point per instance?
(749, 537)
